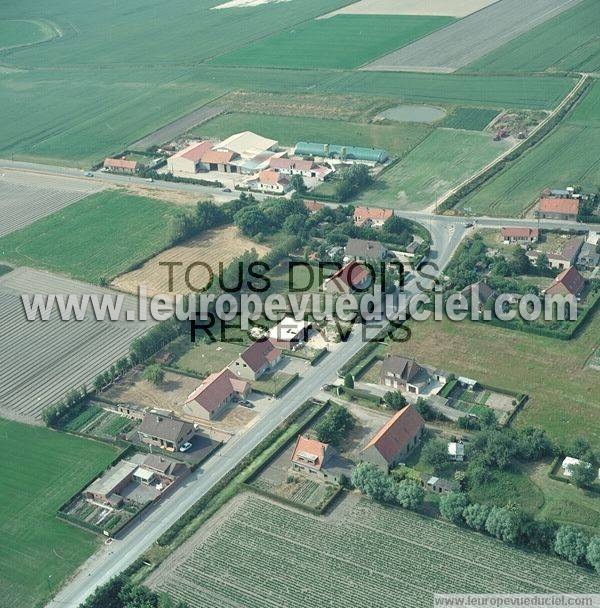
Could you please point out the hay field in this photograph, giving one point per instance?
(212, 247)
(457, 8)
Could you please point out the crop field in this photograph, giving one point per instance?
(41, 360)
(212, 247)
(555, 162)
(460, 8)
(25, 198)
(438, 164)
(343, 41)
(568, 42)
(259, 554)
(471, 119)
(18, 32)
(38, 550)
(97, 238)
(288, 130)
(446, 50)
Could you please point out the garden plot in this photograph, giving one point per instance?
(461, 43)
(213, 247)
(41, 360)
(259, 554)
(27, 197)
(457, 8)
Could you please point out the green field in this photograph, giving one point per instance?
(288, 130)
(438, 164)
(20, 32)
(568, 42)
(569, 155)
(44, 469)
(97, 238)
(367, 555)
(342, 41)
(472, 119)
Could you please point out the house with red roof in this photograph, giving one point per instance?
(369, 216)
(568, 282)
(517, 234)
(354, 276)
(313, 458)
(214, 394)
(559, 208)
(188, 159)
(396, 439)
(121, 165)
(313, 206)
(219, 160)
(260, 357)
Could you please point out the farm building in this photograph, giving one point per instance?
(258, 358)
(520, 235)
(106, 488)
(396, 439)
(369, 155)
(121, 165)
(367, 216)
(403, 374)
(313, 458)
(588, 257)
(218, 160)
(164, 432)
(289, 333)
(352, 277)
(294, 166)
(247, 144)
(367, 251)
(271, 181)
(568, 282)
(438, 485)
(188, 159)
(214, 394)
(559, 208)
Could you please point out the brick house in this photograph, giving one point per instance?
(403, 374)
(258, 358)
(312, 458)
(164, 432)
(559, 208)
(520, 235)
(352, 277)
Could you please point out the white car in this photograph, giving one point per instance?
(185, 447)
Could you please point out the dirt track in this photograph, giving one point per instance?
(457, 8)
(464, 41)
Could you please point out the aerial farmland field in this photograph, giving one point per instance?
(39, 551)
(472, 119)
(258, 554)
(20, 32)
(288, 130)
(567, 42)
(557, 161)
(438, 164)
(331, 41)
(95, 239)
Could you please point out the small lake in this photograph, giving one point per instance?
(412, 113)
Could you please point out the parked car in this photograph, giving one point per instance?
(246, 403)
(185, 447)
(226, 190)
(149, 179)
(88, 174)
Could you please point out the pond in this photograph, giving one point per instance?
(412, 113)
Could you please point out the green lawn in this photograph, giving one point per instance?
(209, 357)
(563, 393)
(288, 130)
(569, 155)
(273, 383)
(472, 119)
(568, 42)
(98, 237)
(44, 469)
(342, 41)
(438, 164)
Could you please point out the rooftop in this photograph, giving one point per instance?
(569, 206)
(309, 452)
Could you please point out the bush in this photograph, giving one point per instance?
(154, 374)
(593, 553)
(475, 516)
(373, 482)
(504, 524)
(334, 424)
(410, 495)
(571, 544)
(453, 505)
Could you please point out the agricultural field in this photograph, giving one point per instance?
(567, 42)
(441, 162)
(41, 360)
(397, 139)
(97, 422)
(213, 247)
(458, 8)
(330, 41)
(25, 198)
(20, 32)
(94, 240)
(255, 553)
(556, 161)
(471, 119)
(39, 551)
(446, 50)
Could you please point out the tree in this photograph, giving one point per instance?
(297, 183)
(394, 400)
(334, 424)
(504, 524)
(520, 262)
(427, 411)
(538, 535)
(543, 264)
(593, 553)
(373, 482)
(435, 454)
(352, 180)
(487, 419)
(154, 374)
(494, 448)
(251, 221)
(295, 224)
(533, 443)
(452, 506)
(349, 381)
(571, 544)
(476, 515)
(583, 474)
(579, 448)
(410, 495)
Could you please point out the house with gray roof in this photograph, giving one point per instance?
(164, 432)
(403, 374)
(367, 251)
